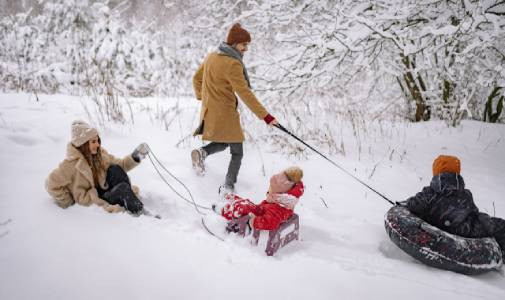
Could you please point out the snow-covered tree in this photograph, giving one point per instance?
(373, 59)
(444, 57)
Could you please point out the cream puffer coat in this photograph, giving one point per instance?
(72, 182)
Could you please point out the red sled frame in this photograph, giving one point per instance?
(275, 238)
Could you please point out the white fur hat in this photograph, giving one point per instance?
(82, 132)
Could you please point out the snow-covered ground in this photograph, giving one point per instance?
(85, 253)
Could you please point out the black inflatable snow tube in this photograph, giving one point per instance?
(438, 248)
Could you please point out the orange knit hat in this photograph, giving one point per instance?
(446, 164)
(237, 35)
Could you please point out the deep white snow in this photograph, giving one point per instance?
(86, 253)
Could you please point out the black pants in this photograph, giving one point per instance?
(483, 225)
(119, 190)
(236, 151)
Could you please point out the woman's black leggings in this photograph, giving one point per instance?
(119, 190)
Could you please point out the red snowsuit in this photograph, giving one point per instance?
(268, 215)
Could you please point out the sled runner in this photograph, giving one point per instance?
(440, 249)
(276, 238)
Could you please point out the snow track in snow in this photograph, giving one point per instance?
(344, 252)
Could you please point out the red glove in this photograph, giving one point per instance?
(269, 119)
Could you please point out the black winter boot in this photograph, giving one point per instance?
(123, 195)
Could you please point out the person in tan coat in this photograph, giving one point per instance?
(219, 78)
(90, 175)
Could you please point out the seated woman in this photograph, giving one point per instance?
(447, 205)
(90, 175)
(283, 194)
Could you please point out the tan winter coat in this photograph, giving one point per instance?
(72, 181)
(215, 83)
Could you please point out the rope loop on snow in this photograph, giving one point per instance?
(153, 159)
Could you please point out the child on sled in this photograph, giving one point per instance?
(283, 194)
(448, 205)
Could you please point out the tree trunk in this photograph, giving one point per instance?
(447, 91)
(422, 112)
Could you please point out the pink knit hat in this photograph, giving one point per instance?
(279, 186)
(279, 183)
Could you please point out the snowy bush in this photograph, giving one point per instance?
(311, 62)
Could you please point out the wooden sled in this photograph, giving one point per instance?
(276, 239)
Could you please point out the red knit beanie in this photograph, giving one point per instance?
(237, 35)
(446, 164)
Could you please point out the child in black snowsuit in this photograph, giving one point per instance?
(447, 205)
